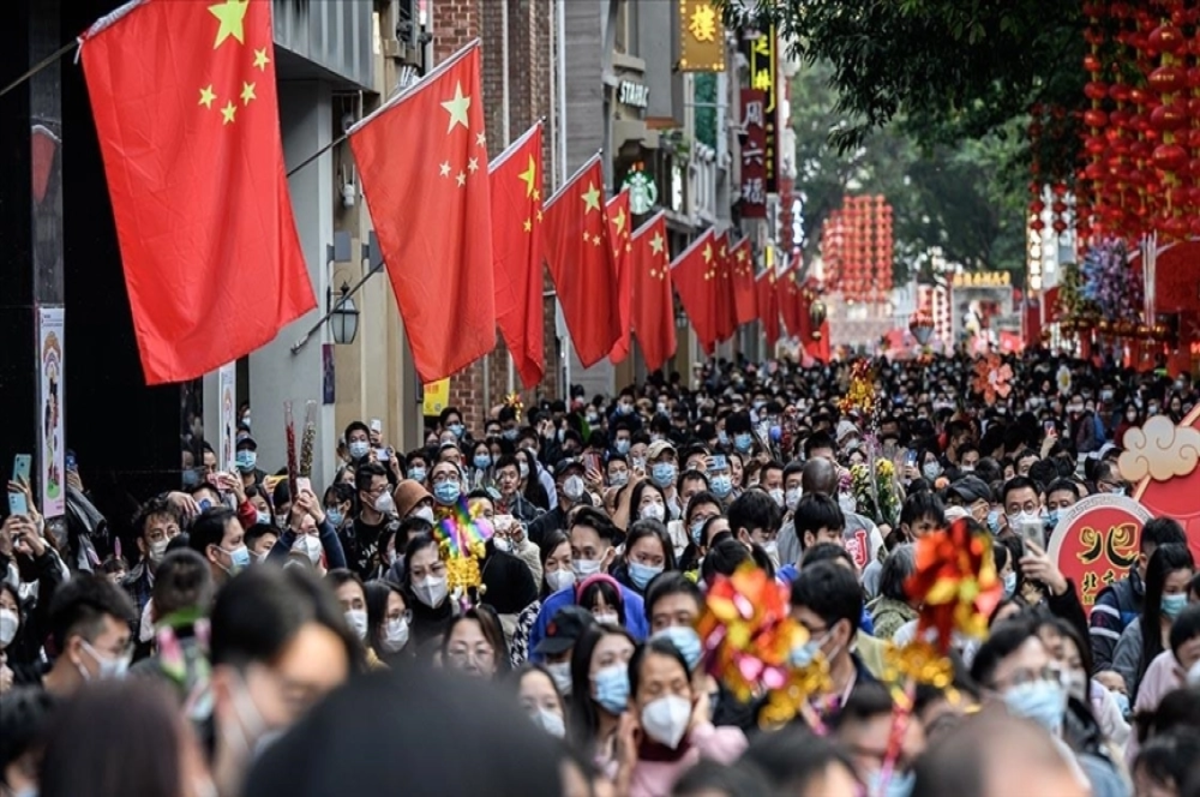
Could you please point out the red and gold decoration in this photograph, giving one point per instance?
(1162, 459)
(992, 378)
(1096, 542)
(462, 537)
(921, 326)
(857, 248)
(753, 646)
(860, 393)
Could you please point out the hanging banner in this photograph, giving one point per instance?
(1096, 542)
(437, 397)
(701, 37)
(227, 389)
(762, 57)
(50, 399)
(754, 156)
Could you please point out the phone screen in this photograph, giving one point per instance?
(21, 466)
(1032, 531)
(719, 462)
(17, 504)
(376, 425)
(911, 459)
(303, 483)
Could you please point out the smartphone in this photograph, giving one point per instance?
(376, 425)
(382, 454)
(303, 483)
(719, 463)
(1033, 531)
(17, 504)
(1048, 426)
(503, 522)
(21, 466)
(591, 461)
(910, 459)
(70, 462)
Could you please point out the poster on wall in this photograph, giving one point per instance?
(227, 389)
(437, 397)
(50, 396)
(982, 311)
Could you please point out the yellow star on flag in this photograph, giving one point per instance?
(528, 176)
(537, 193)
(481, 139)
(261, 60)
(229, 112)
(444, 169)
(656, 244)
(457, 108)
(230, 13)
(473, 165)
(708, 253)
(591, 198)
(539, 215)
(207, 96)
(528, 225)
(619, 221)
(248, 93)
(595, 240)
(462, 179)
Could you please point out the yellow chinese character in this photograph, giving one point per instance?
(703, 24)
(1089, 588)
(762, 79)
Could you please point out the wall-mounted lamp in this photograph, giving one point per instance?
(342, 313)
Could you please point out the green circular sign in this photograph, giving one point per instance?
(642, 192)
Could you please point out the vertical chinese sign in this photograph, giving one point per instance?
(761, 54)
(754, 156)
(50, 425)
(701, 37)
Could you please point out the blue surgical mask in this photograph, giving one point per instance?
(993, 521)
(483, 461)
(458, 429)
(262, 516)
(509, 434)
(335, 516)
(612, 688)
(723, 438)
(1044, 702)
(1010, 584)
(246, 460)
(686, 641)
(641, 574)
(900, 784)
(662, 474)
(622, 446)
(698, 530)
(446, 493)
(190, 479)
(1051, 519)
(619, 479)
(743, 442)
(239, 559)
(721, 486)
(417, 473)
(1172, 605)
(359, 449)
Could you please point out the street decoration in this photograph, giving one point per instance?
(992, 378)
(1096, 542)
(1161, 460)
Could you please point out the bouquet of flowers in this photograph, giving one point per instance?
(875, 491)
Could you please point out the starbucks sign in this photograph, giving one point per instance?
(642, 192)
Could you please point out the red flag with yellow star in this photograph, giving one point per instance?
(183, 95)
(516, 187)
(723, 307)
(694, 276)
(768, 304)
(789, 297)
(744, 298)
(653, 308)
(423, 162)
(620, 220)
(581, 262)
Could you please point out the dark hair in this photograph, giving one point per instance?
(1004, 640)
(816, 511)
(584, 718)
(256, 614)
(753, 509)
(209, 529)
(659, 646)
(153, 507)
(920, 505)
(899, 565)
(642, 529)
(25, 713)
(699, 499)
(736, 780)
(364, 473)
(1162, 531)
(1185, 628)
(827, 552)
(597, 521)
(818, 440)
(340, 576)
(1065, 629)
(80, 605)
(257, 532)
(183, 580)
(866, 702)
(635, 498)
(508, 461)
(604, 589)
(1017, 483)
(1063, 486)
(489, 625)
(415, 546)
(1168, 759)
(666, 584)
(378, 591)
(1166, 560)
(135, 750)
(795, 758)
(545, 551)
(724, 557)
(831, 592)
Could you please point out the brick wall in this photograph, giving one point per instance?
(455, 23)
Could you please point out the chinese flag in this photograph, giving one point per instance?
(183, 95)
(653, 305)
(423, 164)
(768, 305)
(789, 300)
(581, 263)
(745, 301)
(620, 219)
(516, 188)
(724, 310)
(693, 274)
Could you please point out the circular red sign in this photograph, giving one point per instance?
(1096, 542)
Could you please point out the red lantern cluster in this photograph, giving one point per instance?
(1142, 130)
(857, 247)
(1050, 127)
(921, 326)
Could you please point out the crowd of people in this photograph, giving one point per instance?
(245, 640)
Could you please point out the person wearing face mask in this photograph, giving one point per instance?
(358, 443)
(508, 482)
(451, 421)
(309, 534)
(426, 580)
(864, 727)
(377, 507)
(217, 535)
(351, 593)
(246, 461)
(156, 524)
(339, 504)
(388, 619)
(600, 692)
(1176, 667)
(593, 539)
(648, 552)
(542, 699)
(571, 490)
(91, 625)
(667, 729)
(447, 483)
(662, 461)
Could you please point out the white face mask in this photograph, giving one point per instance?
(585, 567)
(395, 636)
(608, 618)
(385, 503)
(791, 498)
(573, 488)
(9, 623)
(425, 513)
(560, 579)
(551, 722)
(654, 512)
(502, 544)
(431, 591)
(310, 546)
(357, 620)
(666, 719)
(777, 496)
(560, 673)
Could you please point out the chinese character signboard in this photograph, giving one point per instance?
(754, 156)
(1096, 542)
(701, 37)
(763, 61)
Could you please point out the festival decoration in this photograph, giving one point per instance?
(1168, 481)
(462, 536)
(921, 326)
(1096, 542)
(753, 646)
(513, 400)
(992, 377)
(874, 490)
(955, 583)
(1063, 380)
(307, 439)
(860, 395)
(289, 431)
(1107, 282)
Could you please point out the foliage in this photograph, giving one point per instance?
(705, 92)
